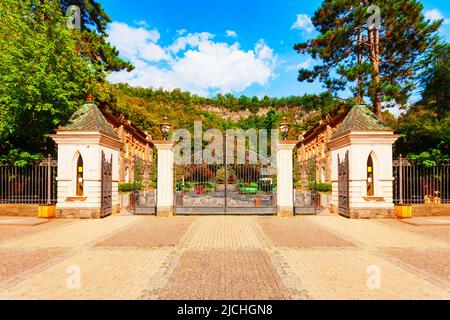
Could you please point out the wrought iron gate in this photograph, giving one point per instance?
(305, 183)
(225, 189)
(343, 186)
(106, 186)
(144, 194)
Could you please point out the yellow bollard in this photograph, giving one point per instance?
(47, 211)
(403, 211)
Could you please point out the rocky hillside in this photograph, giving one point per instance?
(147, 107)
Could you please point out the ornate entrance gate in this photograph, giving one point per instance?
(225, 189)
(343, 186)
(106, 187)
(305, 183)
(144, 193)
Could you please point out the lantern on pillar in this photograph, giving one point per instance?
(165, 128)
(284, 128)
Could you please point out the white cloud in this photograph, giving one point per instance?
(231, 33)
(141, 23)
(435, 14)
(135, 43)
(190, 40)
(181, 32)
(302, 65)
(303, 22)
(193, 62)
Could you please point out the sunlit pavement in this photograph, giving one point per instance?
(224, 257)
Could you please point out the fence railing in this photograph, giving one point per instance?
(32, 184)
(417, 184)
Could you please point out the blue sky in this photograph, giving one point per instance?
(207, 47)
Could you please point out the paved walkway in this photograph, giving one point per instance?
(224, 257)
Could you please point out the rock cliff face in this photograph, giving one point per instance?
(298, 112)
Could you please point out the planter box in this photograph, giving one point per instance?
(403, 211)
(47, 211)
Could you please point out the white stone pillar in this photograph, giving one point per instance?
(285, 184)
(164, 191)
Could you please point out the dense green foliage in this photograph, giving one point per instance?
(146, 108)
(425, 127)
(389, 59)
(47, 70)
(93, 45)
(42, 77)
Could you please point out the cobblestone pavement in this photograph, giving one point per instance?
(224, 257)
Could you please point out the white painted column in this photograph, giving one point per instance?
(164, 191)
(285, 184)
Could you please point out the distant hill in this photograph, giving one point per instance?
(146, 108)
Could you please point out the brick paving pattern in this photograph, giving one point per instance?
(16, 261)
(8, 233)
(151, 232)
(300, 232)
(343, 274)
(224, 257)
(371, 233)
(225, 232)
(435, 232)
(225, 275)
(104, 274)
(434, 261)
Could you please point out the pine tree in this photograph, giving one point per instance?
(93, 43)
(382, 61)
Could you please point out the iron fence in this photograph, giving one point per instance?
(32, 184)
(418, 184)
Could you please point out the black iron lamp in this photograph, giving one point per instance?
(284, 128)
(165, 128)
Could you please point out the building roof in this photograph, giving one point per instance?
(360, 118)
(331, 120)
(89, 118)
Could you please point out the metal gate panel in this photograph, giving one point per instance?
(225, 189)
(305, 183)
(343, 186)
(144, 183)
(106, 186)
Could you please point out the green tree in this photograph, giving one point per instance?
(382, 62)
(93, 44)
(425, 127)
(42, 77)
(435, 80)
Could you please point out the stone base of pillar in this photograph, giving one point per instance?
(372, 213)
(285, 212)
(164, 212)
(78, 213)
(368, 213)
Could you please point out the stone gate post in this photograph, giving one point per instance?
(285, 184)
(165, 191)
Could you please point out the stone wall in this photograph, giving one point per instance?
(427, 210)
(22, 210)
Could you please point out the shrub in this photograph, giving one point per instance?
(130, 186)
(201, 174)
(323, 187)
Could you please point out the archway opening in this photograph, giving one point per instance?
(79, 181)
(370, 177)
